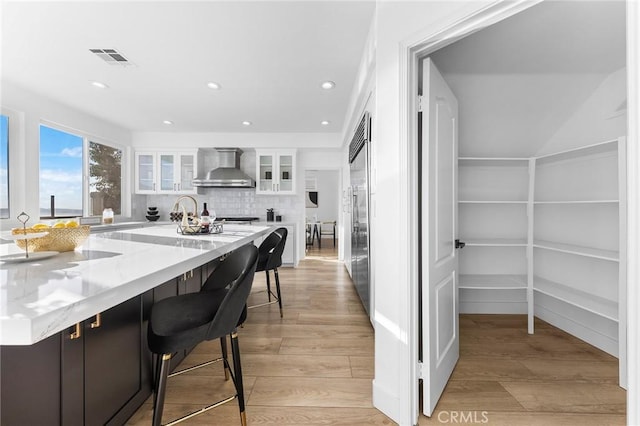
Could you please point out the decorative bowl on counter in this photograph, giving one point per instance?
(152, 214)
(57, 239)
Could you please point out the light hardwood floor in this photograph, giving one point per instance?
(315, 366)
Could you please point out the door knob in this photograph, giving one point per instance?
(460, 244)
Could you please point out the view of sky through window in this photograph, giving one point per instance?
(60, 172)
(4, 166)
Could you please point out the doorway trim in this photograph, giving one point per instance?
(425, 43)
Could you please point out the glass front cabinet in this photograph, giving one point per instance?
(275, 172)
(165, 172)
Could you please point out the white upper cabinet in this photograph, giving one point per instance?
(276, 172)
(145, 171)
(165, 172)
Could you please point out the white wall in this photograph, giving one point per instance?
(601, 116)
(509, 114)
(362, 98)
(154, 140)
(32, 110)
(633, 217)
(398, 23)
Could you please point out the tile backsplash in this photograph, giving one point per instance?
(225, 202)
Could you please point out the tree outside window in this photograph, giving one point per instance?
(105, 171)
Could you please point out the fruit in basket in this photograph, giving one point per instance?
(41, 226)
(71, 224)
(59, 225)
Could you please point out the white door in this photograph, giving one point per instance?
(439, 294)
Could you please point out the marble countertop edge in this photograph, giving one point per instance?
(26, 328)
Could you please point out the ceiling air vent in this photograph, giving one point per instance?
(111, 56)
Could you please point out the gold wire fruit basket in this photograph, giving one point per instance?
(57, 239)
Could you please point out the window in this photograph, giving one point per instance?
(4, 167)
(63, 191)
(60, 173)
(105, 177)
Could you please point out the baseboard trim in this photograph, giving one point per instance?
(385, 401)
(578, 329)
(492, 307)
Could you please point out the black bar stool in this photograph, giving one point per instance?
(181, 322)
(269, 258)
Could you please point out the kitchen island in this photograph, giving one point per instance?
(73, 326)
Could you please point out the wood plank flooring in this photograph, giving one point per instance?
(315, 366)
(508, 377)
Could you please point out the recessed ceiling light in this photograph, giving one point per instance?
(213, 85)
(99, 85)
(167, 122)
(325, 122)
(247, 123)
(328, 85)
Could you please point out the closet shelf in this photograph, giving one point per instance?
(583, 300)
(578, 202)
(496, 242)
(493, 282)
(578, 250)
(583, 151)
(492, 202)
(493, 161)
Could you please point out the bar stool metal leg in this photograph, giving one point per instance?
(275, 272)
(160, 388)
(268, 285)
(237, 376)
(225, 357)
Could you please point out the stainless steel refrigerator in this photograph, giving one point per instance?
(359, 167)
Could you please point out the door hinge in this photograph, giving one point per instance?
(421, 371)
(420, 103)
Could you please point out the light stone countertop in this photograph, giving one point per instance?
(41, 298)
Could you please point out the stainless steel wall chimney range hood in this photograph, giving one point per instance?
(228, 174)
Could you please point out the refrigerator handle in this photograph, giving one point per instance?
(354, 209)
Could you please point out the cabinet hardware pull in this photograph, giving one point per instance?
(98, 321)
(76, 332)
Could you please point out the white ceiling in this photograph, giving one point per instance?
(520, 81)
(555, 36)
(269, 58)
